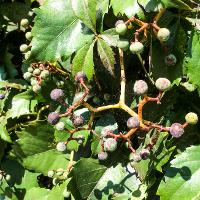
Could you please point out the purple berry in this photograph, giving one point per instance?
(133, 122)
(56, 94)
(102, 155)
(78, 121)
(80, 76)
(110, 144)
(2, 96)
(140, 87)
(144, 154)
(176, 130)
(135, 157)
(53, 118)
(105, 131)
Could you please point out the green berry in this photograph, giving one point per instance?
(60, 126)
(110, 144)
(123, 44)
(191, 118)
(33, 81)
(36, 72)
(61, 146)
(170, 60)
(36, 88)
(27, 55)
(23, 48)
(163, 34)
(136, 47)
(55, 181)
(60, 84)
(8, 177)
(28, 36)
(96, 100)
(44, 74)
(162, 84)
(66, 193)
(140, 87)
(27, 76)
(50, 174)
(24, 23)
(30, 69)
(120, 27)
(59, 172)
(176, 130)
(65, 175)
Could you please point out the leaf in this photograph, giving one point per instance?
(85, 10)
(107, 55)
(57, 33)
(83, 61)
(3, 131)
(182, 176)
(110, 37)
(37, 193)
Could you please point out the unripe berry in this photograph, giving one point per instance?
(61, 146)
(59, 172)
(170, 60)
(27, 75)
(60, 84)
(23, 48)
(66, 193)
(123, 43)
(162, 84)
(96, 100)
(56, 94)
(24, 23)
(30, 69)
(163, 34)
(140, 87)
(28, 36)
(80, 76)
(60, 126)
(33, 81)
(55, 181)
(36, 88)
(50, 174)
(78, 121)
(105, 131)
(36, 71)
(136, 47)
(102, 155)
(110, 144)
(27, 55)
(8, 177)
(44, 74)
(53, 118)
(120, 27)
(135, 157)
(2, 96)
(144, 154)
(133, 122)
(191, 118)
(176, 130)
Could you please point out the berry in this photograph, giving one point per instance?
(36, 71)
(191, 118)
(50, 174)
(33, 81)
(28, 36)
(80, 76)
(123, 44)
(23, 48)
(60, 126)
(136, 47)
(2, 96)
(66, 193)
(162, 84)
(133, 122)
(176, 130)
(140, 87)
(163, 34)
(120, 27)
(30, 69)
(59, 172)
(105, 131)
(24, 23)
(106, 97)
(27, 75)
(170, 60)
(27, 55)
(135, 157)
(53, 118)
(80, 139)
(96, 100)
(61, 146)
(56, 94)
(144, 154)
(36, 88)
(60, 83)
(8, 177)
(55, 181)
(102, 155)
(44, 74)
(110, 144)
(78, 121)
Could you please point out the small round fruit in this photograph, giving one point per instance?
(163, 34)
(27, 55)
(30, 69)
(2, 96)
(56, 94)
(176, 130)
(24, 23)
(60, 126)
(191, 118)
(50, 174)
(36, 88)
(61, 146)
(123, 43)
(162, 84)
(80, 76)
(136, 47)
(53, 118)
(102, 155)
(23, 48)
(110, 144)
(120, 27)
(27, 75)
(33, 81)
(105, 131)
(59, 172)
(170, 60)
(60, 84)
(66, 193)
(106, 97)
(8, 177)
(28, 36)
(133, 122)
(55, 181)
(144, 154)
(36, 71)
(78, 121)
(96, 100)
(44, 74)
(140, 87)
(135, 157)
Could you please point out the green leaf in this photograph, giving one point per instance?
(3, 131)
(37, 193)
(83, 61)
(85, 10)
(57, 33)
(107, 55)
(182, 176)
(110, 37)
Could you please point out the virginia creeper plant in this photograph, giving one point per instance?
(99, 99)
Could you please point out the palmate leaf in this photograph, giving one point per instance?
(181, 179)
(57, 32)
